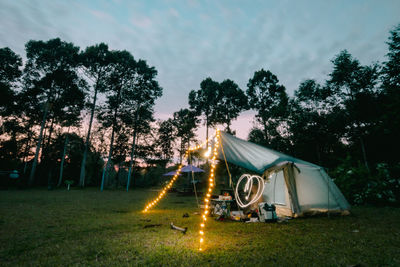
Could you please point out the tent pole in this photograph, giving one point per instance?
(226, 163)
(327, 182)
(194, 185)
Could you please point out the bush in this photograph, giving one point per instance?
(381, 186)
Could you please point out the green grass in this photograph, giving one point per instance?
(88, 227)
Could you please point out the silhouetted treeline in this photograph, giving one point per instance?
(88, 116)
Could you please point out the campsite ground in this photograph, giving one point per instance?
(88, 227)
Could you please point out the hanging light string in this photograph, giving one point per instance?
(164, 191)
(211, 185)
(197, 147)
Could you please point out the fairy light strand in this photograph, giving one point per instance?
(164, 191)
(211, 184)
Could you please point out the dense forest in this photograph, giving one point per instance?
(87, 116)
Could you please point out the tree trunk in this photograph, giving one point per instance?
(181, 152)
(364, 153)
(45, 136)
(49, 178)
(39, 143)
(85, 151)
(207, 132)
(49, 137)
(117, 176)
(266, 139)
(228, 128)
(318, 153)
(104, 176)
(131, 161)
(62, 161)
(27, 148)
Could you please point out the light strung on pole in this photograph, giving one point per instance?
(164, 191)
(211, 184)
(208, 152)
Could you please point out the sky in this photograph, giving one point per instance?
(188, 41)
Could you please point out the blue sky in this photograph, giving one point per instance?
(188, 41)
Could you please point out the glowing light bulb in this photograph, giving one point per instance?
(208, 152)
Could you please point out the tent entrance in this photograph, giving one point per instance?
(276, 192)
(280, 189)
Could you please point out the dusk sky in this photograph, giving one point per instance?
(187, 41)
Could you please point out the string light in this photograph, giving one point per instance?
(164, 190)
(171, 182)
(208, 152)
(210, 188)
(211, 183)
(194, 148)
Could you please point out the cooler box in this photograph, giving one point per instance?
(266, 212)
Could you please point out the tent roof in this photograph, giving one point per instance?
(252, 156)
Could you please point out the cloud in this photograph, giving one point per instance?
(141, 21)
(189, 41)
(101, 15)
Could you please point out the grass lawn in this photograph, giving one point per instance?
(88, 227)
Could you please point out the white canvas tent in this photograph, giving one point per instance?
(294, 186)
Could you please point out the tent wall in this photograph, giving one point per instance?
(306, 190)
(307, 186)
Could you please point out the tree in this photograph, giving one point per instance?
(205, 102)
(50, 72)
(390, 98)
(132, 94)
(270, 101)
(185, 123)
(95, 62)
(315, 131)
(231, 101)
(166, 138)
(353, 87)
(139, 100)
(10, 73)
(122, 63)
(10, 64)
